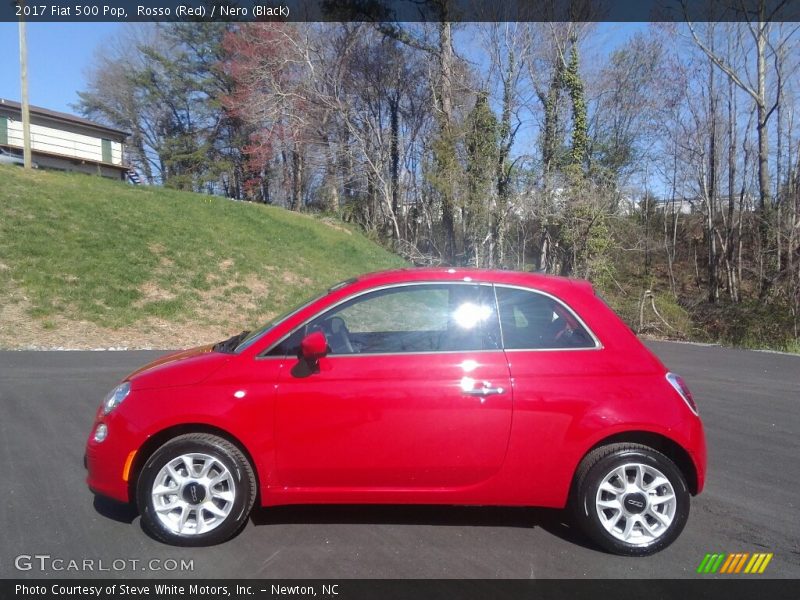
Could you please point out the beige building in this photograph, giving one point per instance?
(64, 142)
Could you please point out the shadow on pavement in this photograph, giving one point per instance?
(555, 522)
(116, 511)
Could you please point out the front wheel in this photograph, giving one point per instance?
(630, 499)
(195, 490)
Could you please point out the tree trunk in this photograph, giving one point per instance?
(711, 241)
(765, 193)
(394, 150)
(503, 169)
(331, 184)
(265, 191)
(549, 141)
(764, 187)
(733, 285)
(297, 180)
(446, 125)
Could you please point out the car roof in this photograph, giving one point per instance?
(508, 277)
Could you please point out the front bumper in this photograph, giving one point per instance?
(105, 462)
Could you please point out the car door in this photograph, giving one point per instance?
(413, 394)
(557, 372)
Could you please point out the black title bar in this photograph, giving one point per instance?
(398, 10)
(732, 588)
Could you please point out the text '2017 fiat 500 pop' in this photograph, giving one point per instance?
(423, 386)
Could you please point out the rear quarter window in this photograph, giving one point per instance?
(534, 321)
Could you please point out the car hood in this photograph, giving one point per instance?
(185, 367)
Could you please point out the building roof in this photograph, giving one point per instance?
(60, 116)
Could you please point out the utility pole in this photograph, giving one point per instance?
(23, 74)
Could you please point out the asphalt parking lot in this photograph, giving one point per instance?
(750, 402)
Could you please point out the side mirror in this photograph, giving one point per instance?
(314, 346)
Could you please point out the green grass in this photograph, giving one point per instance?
(83, 248)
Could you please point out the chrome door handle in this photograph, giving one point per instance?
(485, 391)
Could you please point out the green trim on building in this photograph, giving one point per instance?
(4, 130)
(106, 146)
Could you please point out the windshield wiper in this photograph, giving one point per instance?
(229, 345)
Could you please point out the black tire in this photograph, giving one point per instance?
(599, 464)
(231, 457)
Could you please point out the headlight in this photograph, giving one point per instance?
(116, 396)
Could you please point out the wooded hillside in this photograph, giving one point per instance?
(655, 158)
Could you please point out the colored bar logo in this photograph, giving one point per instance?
(741, 562)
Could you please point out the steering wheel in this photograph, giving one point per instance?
(564, 335)
(569, 333)
(572, 336)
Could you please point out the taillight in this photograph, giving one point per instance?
(677, 382)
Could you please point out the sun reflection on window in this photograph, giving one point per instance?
(468, 315)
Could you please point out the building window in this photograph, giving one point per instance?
(106, 145)
(4, 130)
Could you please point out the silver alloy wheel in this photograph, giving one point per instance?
(636, 503)
(193, 494)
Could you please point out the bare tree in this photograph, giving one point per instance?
(508, 46)
(765, 51)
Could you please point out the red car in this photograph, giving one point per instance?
(423, 386)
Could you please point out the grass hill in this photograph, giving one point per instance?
(88, 262)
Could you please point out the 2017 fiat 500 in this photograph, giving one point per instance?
(424, 386)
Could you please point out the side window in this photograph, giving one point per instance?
(415, 318)
(532, 321)
(290, 346)
(401, 310)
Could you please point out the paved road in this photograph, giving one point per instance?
(750, 402)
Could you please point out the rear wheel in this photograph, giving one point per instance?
(630, 499)
(196, 490)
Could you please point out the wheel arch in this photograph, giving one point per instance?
(667, 446)
(155, 441)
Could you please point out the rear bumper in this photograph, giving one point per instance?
(698, 453)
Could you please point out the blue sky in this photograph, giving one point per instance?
(58, 55)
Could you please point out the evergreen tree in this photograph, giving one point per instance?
(482, 153)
